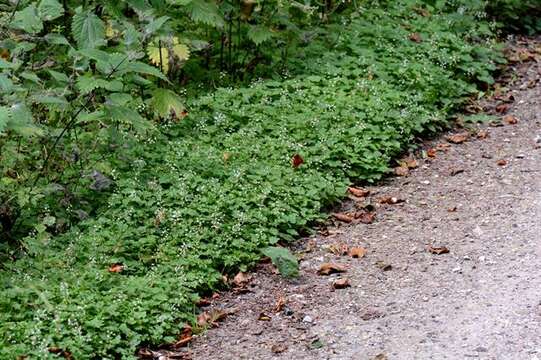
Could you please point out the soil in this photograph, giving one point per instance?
(479, 199)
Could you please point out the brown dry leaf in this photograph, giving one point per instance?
(264, 317)
(341, 283)
(402, 170)
(343, 217)
(280, 303)
(438, 250)
(278, 348)
(116, 268)
(241, 279)
(339, 248)
(372, 314)
(416, 37)
(4, 54)
(443, 147)
(384, 266)
(502, 162)
(358, 192)
(60, 352)
(210, 318)
(226, 156)
(331, 268)
(452, 209)
(502, 108)
(185, 337)
(357, 252)
(203, 302)
(390, 200)
(458, 138)
(365, 217)
(482, 134)
(456, 172)
(431, 153)
(297, 161)
(510, 119)
(380, 357)
(409, 162)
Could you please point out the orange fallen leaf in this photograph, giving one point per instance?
(502, 162)
(4, 54)
(390, 200)
(341, 283)
(402, 170)
(443, 147)
(297, 161)
(264, 317)
(343, 217)
(210, 318)
(365, 217)
(438, 250)
(116, 268)
(458, 138)
(482, 134)
(510, 119)
(502, 108)
(280, 303)
(357, 252)
(278, 348)
(431, 153)
(409, 162)
(358, 192)
(339, 248)
(331, 268)
(185, 337)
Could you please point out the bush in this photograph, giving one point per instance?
(200, 198)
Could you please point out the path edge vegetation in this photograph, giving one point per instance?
(202, 184)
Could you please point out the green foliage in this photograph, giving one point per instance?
(103, 163)
(287, 263)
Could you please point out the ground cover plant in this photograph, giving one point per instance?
(116, 220)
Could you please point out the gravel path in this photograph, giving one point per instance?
(481, 300)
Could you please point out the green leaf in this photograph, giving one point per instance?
(87, 83)
(142, 68)
(50, 9)
(28, 20)
(259, 34)
(88, 30)
(164, 102)
(128, 116)
(58, 76)
(155, 25)
(20, 121)
(56, 39)
(4, 118)
(28, 75)
(205, 12)
(284, 260)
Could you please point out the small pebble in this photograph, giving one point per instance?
(307, 319)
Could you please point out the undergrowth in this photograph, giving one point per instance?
(198, 199)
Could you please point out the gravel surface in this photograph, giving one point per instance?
(481, 300)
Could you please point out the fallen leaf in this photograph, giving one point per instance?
(443, 147)
(185, 337)
(384, 266)
(456, 172)
(437, 250)
(365, 217)
(452, 209)
(502, 108)
(510, 119)
(372, 314)
(482, 134)
(116, 268)
(203, 302)
(4, 54)
(380, 357)
(402, 170)
(63, 353)
(431, 153)
(278, 348)
(458, 138)
(357, 252)
(390, 200)
(502, 162)
(296, 161)
(341, 283)
(416, 37)
(241, 279)
(339, 248)
(330, 268)
(343, 217)
(280, 304)
(264, 317)
(358, 192)
(210, 318)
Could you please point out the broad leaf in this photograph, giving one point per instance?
(88, 29)
(4, 118)
(205, 12)
(28, 20)
(164, 102)
(50, 9)
(259, 34)
(159, 56)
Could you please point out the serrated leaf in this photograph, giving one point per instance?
(284, 260)
(20, 121)
(49, 100)
(56, 39)
(28, 20)
(164, 102)
(162, 61)
(181, 51)
(50, 9)
(86, 84)
(128, 116)
(259, 34)
(142, 68)
(119, 99)
(155, 25)
(4, 118)
(88, 30)
(58, 76)
(6, 85)
(28, 75)
(205, 12)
